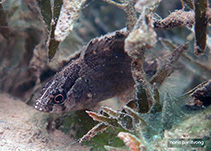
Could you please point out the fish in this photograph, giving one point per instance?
(102, 71)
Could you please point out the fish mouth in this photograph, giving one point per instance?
(41, 107)
(47, 108)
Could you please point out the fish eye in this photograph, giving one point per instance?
(58, 99)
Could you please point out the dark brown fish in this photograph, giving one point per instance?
(101, 72)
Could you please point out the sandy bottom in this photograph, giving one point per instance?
(22, 128)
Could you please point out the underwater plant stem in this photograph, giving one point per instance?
(200, 26)
(52, 43)
(140, 78)
(168, 67)
(179, 18)
(130, 14)
(94, 131)
(128, 8)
